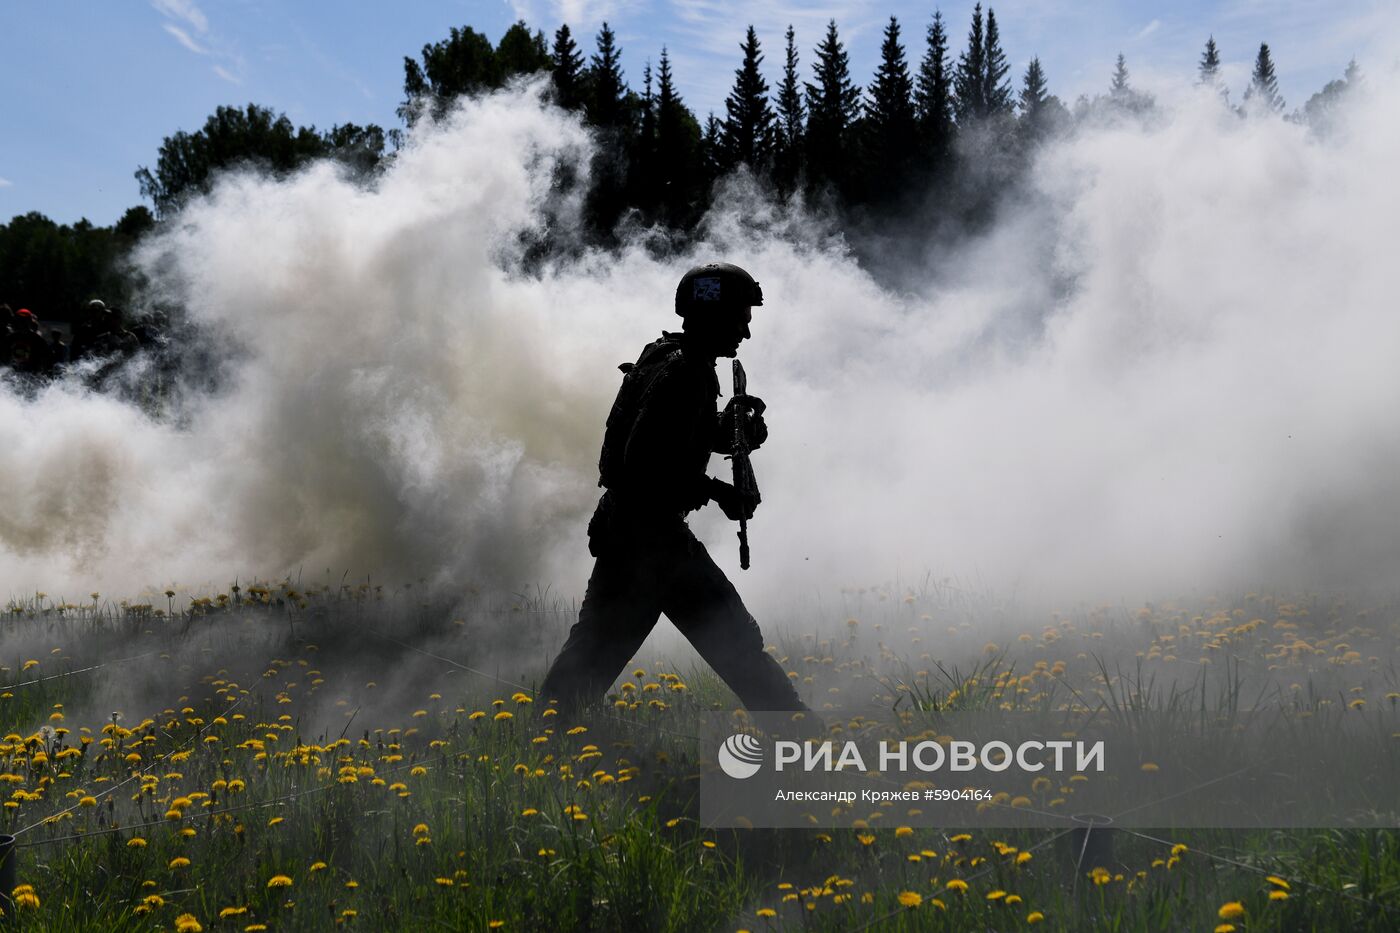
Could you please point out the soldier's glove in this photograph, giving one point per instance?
(755, 429)
(734, 504)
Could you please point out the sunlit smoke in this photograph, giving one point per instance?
(1167, 366)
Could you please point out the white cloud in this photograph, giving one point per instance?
(185, 11)
(184, 39)
(1149, 29)
(6, 183)
(224, 73)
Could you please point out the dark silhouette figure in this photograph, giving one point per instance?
(662, 429)
(24, 349)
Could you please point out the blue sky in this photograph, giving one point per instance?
(91, 88)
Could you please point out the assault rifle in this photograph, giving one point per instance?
(744, 481)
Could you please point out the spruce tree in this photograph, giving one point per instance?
(711, 146)
(643, 177)
(1041, 112)
(1209, 68)
(748, 127)
(969, 95)
(787, 161)
(833, 104)
(1119, 88)
(1034, 93)
(567, 70)
(933, 97)
(677, 150)
(1263, 87)
(889, 116)
(996, 90)
(606, 89)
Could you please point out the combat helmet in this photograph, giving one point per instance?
(716, 285)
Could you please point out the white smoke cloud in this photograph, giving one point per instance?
(1168, 368)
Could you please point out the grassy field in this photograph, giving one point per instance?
(279, 758)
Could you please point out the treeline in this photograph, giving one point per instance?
(934, 121)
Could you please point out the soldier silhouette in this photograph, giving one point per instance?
(659, 436)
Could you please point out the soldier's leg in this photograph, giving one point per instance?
(707, 609)
(618, 612)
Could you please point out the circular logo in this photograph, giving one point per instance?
(741, 756)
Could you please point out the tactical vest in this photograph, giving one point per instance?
(631, 401)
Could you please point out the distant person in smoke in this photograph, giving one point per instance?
(657, 444)
(87, 329)
(25, 350)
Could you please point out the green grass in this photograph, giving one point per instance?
(638, 860)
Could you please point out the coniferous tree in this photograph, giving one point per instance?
(933, 97)
(606, 97)
(1262, 92)
(1209, 68)
(748, 127)
(996, 90)
(644, 184)
(567, 70)
(1119, 88)
(1033, 89)
(833, 105)
(612, 108)
(969, 89)
(711, 146)
(677, 152)
(1041, 112)
(787, 155)
(890, 124)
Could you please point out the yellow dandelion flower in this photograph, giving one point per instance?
(232, 912)
(1150, 767)
(910, 899)
(1231, 910)
(956, 884)
(1225, 928)
(1278, 895)
(444, 882)
(902, 831)
(136, 842)
(188, 923)
(865, 839)
(421, 829)
(765, 912)
(279, 881)
(317, 866)
(1035, 916)
(179, 862)
(275, 820)
(1278, 882)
